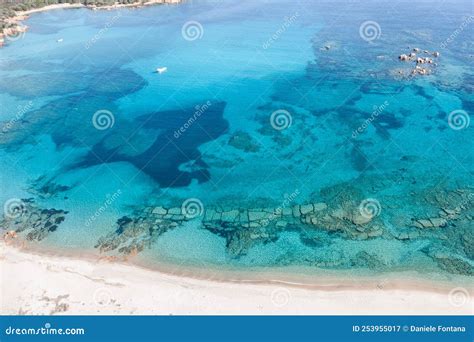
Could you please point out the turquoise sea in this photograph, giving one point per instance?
(276, 133)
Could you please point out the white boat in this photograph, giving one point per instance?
(161, 70)
(59, 40)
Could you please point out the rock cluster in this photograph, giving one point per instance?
(32, 220)
(12, 28)
(451, 228)
(451, 205)
(135, 234)
(244, 228)
(434, 222)
(444, 225)
(419, 61)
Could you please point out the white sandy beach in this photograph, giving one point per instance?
(49, 8)
(40, 284)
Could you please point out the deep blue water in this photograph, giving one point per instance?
(274, 104)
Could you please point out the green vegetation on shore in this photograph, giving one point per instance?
(8, 7)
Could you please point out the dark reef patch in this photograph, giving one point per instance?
(114, 83)
(243, 141)
(168, 150)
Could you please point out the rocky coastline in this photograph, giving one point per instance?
(13, 26)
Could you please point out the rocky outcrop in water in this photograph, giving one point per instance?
(452, 226)
(444, 230)
(24, 216)
(135, 234)
(243, 141)
(419, 61)
(244, 228)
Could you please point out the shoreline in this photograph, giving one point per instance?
(301, 276)
(18, 28)
(37, 283)
(37, 279)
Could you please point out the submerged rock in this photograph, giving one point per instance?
(455, 265)
(365, 259)
(403, 57)
(243, 141)
(412, 57)
(133, 235)
(335, 212)
(24, 216)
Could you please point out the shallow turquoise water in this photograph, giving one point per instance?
(359, 130)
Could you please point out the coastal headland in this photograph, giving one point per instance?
(13, 15)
